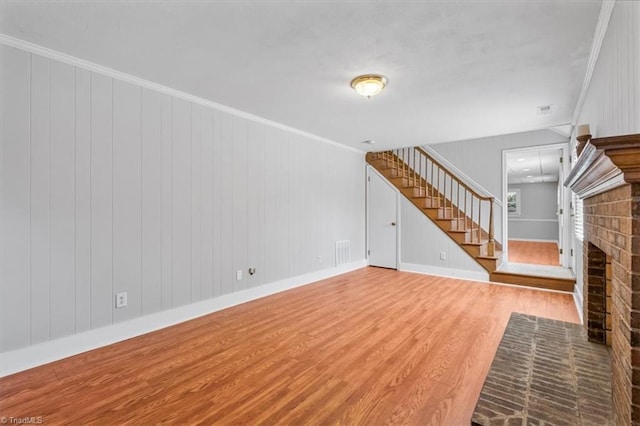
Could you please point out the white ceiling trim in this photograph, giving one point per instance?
(118, 75)
(598, 37)
(566, 133)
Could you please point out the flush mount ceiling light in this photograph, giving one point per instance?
(369, 85)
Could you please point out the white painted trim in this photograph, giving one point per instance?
(564, 146)
(371, 169)
(43, 353)
(556, 130)
(444, 272)
(531, 220)
(577, 299)
(109, 72)
(399, 197)
(367, 239)
(596, 45)
(533, 240)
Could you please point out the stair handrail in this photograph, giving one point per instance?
(445, 164)
(491, 199)
(454, 175)
(404, 163)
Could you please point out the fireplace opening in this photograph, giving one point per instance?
(598, 283)
(607, 302)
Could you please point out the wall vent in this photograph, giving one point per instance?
(544, 109)
(343, 252)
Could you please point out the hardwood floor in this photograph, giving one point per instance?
(369, 347)
(534, 252)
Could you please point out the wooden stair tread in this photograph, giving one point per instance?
(466, 230)
(532, 280)
(428, 199)
(533, 275)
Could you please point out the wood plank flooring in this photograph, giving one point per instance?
(534, 252)
(369, 347)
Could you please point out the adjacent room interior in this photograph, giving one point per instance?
(267, 212)
(535, 194)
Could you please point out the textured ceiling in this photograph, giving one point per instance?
(457, 69)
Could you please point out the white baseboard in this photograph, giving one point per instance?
(444, 272)
(46, 352)
(533, 240)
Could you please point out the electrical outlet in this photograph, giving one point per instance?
(239, 275)
(319, 259)
(443, 255)
(121, 300)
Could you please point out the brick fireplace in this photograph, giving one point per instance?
(607, 177)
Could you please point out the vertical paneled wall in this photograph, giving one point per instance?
(416, 229)
(612, 103)
(107, 186)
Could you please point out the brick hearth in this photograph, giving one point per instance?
(546, 372)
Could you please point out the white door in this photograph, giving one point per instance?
(382, 208)
(563, 212)
(560, 215)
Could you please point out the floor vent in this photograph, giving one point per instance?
(343, 252)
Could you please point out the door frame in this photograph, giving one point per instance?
(368, 172)
(566, 216)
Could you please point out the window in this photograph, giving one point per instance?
(578, 217)
(577, 204)
(513, 202)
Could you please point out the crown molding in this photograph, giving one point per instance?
(601, 30)
(559, 130)
(604, 164)
(118, 75)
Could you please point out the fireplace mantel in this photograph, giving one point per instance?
(604, 164)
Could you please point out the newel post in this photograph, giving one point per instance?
(491, 247)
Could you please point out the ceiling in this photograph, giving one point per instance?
(526, 167)
(457, 69)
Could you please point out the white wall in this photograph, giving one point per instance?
(108, 186)
(422, 241)
(537, 219)
(612, 101)
(481, 159)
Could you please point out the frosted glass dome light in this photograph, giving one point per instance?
(369, 85)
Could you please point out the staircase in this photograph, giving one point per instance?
(464, 214)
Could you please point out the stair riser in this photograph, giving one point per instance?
(445, 224)
(459, 237)
(427, 203)
(476, 251)
(439, 210)
(489, 264)
(528, 281)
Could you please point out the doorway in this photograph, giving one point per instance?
(535, 228)
(382, 212)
